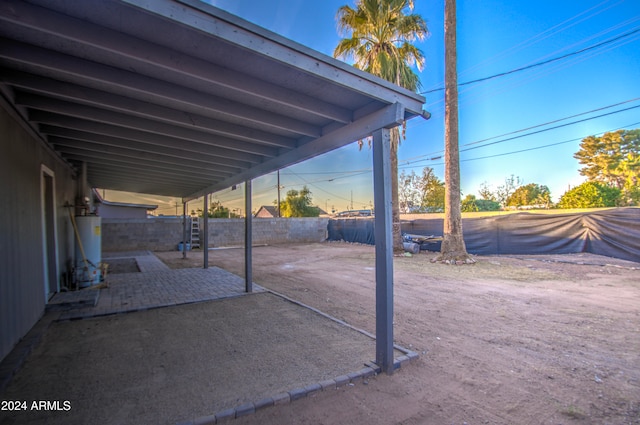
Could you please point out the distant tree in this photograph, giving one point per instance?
(486, 193)
(613, 159)
(471, 204)
(423, 193)
(408, 192)
(531, 194)
(217, 210)
(590, 195)
(504, 191)
(432, 191)
(298, 204)
(434, 200)
(487, 205)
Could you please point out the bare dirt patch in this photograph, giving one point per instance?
(122, 265)
(509, 340)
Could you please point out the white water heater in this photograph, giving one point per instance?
(90, 236)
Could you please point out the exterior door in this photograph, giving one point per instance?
(51, 285)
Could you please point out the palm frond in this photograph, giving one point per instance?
(379, 36)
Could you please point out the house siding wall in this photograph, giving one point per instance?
(22, 281)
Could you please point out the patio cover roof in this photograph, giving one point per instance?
(179, 98)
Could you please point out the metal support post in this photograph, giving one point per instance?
(384, 249)
(184, 230)
(248, 238)
(205, 232)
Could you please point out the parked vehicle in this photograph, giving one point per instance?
(354, 213)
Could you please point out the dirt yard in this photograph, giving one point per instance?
(509, 340)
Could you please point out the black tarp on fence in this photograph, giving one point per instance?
(614, 233)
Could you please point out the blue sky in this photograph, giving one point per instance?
(494, 36)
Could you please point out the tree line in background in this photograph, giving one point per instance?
(611, 165)
(216, 210)
(298, 204)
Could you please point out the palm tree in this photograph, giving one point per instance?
(379, 40)
(453, 250)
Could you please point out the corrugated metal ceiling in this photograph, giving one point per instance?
(179, 98)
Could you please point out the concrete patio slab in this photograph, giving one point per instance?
(156, 285)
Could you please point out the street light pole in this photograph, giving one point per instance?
(278, 207)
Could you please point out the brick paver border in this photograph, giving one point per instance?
(351, 379)
(359, 377)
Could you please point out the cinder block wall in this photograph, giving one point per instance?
(136, 234)
(163, 234)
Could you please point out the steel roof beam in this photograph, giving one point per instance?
(128, 163)
(232, 158)
(139, 176)
(100, 43)
(141, 124)
(204, 18)
(101, 99)
(137, 187)
(142, 87)
(63, 144)
(98, 139)
(74, 146)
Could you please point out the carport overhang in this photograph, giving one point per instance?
(179, 98)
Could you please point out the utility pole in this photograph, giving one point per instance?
(278, 207)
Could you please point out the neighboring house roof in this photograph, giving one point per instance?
(179, 98)
(98, 199)
(267, 211)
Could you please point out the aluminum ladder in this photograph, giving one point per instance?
(195, 232)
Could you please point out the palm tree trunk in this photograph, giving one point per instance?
(395, 211)
(453, 249)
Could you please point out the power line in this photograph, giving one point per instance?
(553, 122)
(549, 32)
(552, 128)
(524, 68)
(530, 128)
(545, 146)
(536, 126)
(326, 191)
(322, 172)
(524, 150)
